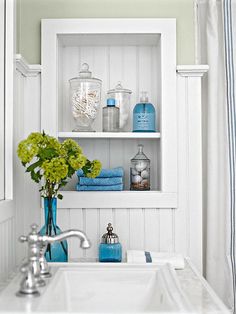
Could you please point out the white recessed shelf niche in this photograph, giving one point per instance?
(141, 53)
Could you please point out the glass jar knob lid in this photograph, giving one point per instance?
(84, 72)
(119, 89)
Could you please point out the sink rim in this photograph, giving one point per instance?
(167, 272)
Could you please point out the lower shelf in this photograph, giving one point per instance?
(118, 199)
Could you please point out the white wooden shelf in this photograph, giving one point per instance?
(122, 199)
(138, 51)
(131, 135)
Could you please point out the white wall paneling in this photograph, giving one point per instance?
(17, 215)
(2, 100)
(26, 117)
(166, 229)
(7, 240)
(132, 65)
(139, 227)
(7, 248)
(118, 152)
(190, 160)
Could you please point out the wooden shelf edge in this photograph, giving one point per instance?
(118, 199)
(147, 135)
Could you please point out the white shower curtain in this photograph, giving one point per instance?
(216, 44)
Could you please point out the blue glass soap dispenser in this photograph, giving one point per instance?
(110, 249)
(144, 115)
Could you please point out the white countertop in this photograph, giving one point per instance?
(197, 291)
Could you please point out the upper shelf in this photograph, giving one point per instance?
(127, 135)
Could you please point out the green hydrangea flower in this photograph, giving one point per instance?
(53, 143)
(51, 163)
(96, 167)
(70, 146)
(55, 169)
(36, 138)
(26, 151)
(78, 161)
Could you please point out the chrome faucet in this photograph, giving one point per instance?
(45, 240)
(37, 266)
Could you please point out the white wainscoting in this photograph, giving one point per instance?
(25, 207)
(177, 230)
(26, 116)
(7, 243)
(174, 230)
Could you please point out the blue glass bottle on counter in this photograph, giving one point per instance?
(144, 115)
(110, 249)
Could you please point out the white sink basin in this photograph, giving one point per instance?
(114, 288)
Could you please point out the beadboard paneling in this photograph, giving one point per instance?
(140, 229)
(174, 230)
(134, 66)
(26, 205)
(26, 196)
(117, 153)
(150, 229)
(7, 248)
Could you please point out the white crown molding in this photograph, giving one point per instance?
(25, 68)
(192, 70)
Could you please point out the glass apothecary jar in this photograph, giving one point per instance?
(85, 98)
(140, 171)
(122, 98)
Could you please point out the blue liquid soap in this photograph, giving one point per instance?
(110, 249)
(144, 115)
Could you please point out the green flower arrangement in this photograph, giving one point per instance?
(52, 163)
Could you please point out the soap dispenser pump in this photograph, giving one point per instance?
(110, 249)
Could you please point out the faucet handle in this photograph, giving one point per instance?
(33, 232)
(28, 285)
(23, 239)
(34, 228)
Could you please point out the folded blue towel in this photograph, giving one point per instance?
(100, 181)
(117, 187)
(106, 173)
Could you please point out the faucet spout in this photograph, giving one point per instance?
(84, 241)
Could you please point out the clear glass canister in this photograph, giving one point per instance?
(140, 171)
(122, 98)
(85, 97)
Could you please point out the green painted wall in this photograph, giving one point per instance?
(30, 12)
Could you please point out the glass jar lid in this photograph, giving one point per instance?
(140, 155)
(110, 237)
(119, 89)
(85, 75)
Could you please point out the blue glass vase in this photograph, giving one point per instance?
(58, 251)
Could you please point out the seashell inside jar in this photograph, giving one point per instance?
(140, 171)
(85, 97)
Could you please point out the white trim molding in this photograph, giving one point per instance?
(9, 92)
(192, 70)
(25, 68)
